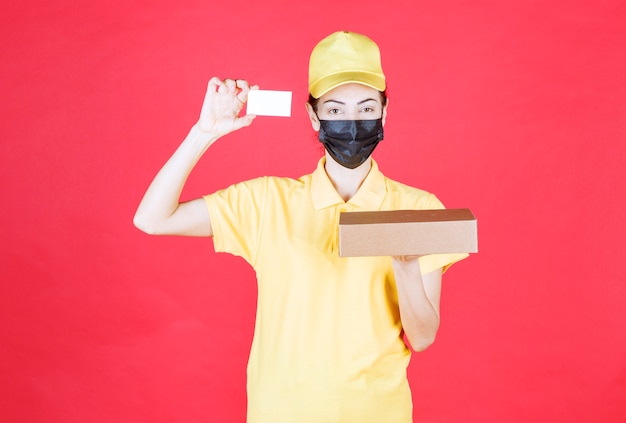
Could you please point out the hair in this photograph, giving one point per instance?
(313, 101)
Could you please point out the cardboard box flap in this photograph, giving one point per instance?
(403, 216)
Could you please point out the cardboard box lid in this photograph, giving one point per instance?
(404, 216)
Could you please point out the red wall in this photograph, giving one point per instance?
(514, 109)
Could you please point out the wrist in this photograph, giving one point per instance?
(203, 137)
(406, 267)
(197, 127)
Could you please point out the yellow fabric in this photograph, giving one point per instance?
(328, 341)
(344, 57)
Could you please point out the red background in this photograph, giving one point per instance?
(513, 109)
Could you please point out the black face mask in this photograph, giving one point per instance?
(350, 142)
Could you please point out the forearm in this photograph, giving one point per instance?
(418, 299)
(160, 211)
(163, 195)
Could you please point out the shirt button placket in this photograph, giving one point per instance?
(338, 210)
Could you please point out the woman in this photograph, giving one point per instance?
(328, 343)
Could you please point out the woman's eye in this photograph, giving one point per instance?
(368, 109)
(333, 111)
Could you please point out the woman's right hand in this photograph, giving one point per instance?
(222, 105)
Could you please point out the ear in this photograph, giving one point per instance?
(385, 112)
(315, 122)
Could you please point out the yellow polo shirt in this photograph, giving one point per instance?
(328, 343)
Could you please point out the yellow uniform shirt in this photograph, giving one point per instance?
(328, 341)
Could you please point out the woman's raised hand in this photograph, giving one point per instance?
(222, 105)
(161, 211)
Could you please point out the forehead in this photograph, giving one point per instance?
(351, 93)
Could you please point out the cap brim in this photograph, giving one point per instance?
(324, 85)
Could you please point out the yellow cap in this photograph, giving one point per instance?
(345, 57)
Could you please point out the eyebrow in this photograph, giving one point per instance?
(341, 102)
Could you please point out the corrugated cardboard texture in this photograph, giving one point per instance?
(407, 232)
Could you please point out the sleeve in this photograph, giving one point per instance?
(433, 262)
(236, 215)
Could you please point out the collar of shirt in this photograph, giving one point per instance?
(369, 196)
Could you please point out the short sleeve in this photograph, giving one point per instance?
(235, 214)
(433, 262)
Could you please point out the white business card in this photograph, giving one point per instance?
(269, 103)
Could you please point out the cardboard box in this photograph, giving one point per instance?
(407, 232)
